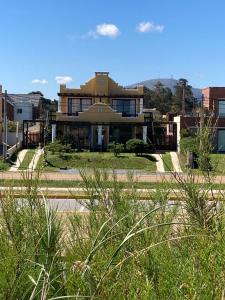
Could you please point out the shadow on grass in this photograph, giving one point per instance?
(148, 156)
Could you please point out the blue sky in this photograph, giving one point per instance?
(133, 40)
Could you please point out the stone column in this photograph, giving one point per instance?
(53, 132)
(141, 105)
(99, 135)
(145, 128)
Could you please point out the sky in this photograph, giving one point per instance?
(48, 42)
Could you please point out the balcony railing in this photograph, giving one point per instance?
(125, 109)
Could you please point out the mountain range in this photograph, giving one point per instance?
(167, 82)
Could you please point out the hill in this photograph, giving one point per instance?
(167, 82)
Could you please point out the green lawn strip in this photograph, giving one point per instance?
(168, 165)
(101, 160)
(79, 184)
(27, 159)
(217, 163)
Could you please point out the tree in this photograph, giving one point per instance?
(183, 99)
(160, 98)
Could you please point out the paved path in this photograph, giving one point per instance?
(19, 160)
(175, 162)
(159, 162)
(151, 177)
(33, 164)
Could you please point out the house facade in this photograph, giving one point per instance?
(98, 113)
(213, 104)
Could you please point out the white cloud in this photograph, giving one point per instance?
(150, 27)
(63, 79)
(39, 81)
(109, 30)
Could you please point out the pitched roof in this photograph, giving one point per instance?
(31, 98)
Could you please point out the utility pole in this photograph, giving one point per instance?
(5, 128)
(183, 99)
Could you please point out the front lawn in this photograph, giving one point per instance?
(27, 159)
(167, 161)
(101, 160)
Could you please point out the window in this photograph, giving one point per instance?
(126, 106)
(76, 105)
(221, 140)
(19, 110)
(222, 108)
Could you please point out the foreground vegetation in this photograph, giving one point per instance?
(122, 249)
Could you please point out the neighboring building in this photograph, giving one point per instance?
(98, 113)
(26, 106)
(1, 115)
(213, 103)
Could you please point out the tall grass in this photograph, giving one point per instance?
(123, 248)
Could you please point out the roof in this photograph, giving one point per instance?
(31, 98)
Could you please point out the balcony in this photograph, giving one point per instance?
(127, 110)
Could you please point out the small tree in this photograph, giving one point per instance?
(136, 146)
(116, 148)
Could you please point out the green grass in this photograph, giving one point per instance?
(166, 157)
(217, 162)
(99, 160)
(4, 166)
(122, 184)
(121, 249)
(27, 159)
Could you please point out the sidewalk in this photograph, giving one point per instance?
(19, 160)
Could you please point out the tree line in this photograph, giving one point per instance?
(162, 98)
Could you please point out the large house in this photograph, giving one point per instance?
(98, 113)
(213, 103)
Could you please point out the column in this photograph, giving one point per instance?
(141, 105)
(53, 132)
(99, 135)
(145, 133)
(60, 104)
(134, 132)
(107, 136)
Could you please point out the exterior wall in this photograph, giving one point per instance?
(26, 109)
(10, 110)
(211, 96)
(1, 113)
(193, 122)
(101, 89)
(98, 113)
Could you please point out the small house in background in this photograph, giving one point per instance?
(26, 106)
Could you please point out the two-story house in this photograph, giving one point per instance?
(213, 104)
(98, 113)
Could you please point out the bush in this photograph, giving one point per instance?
(136, 146)
(188, 144)
(58, 147)
(116, 148)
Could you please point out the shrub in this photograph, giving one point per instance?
(58, 147)
(188, 144)
(116, 148)
(136, 146)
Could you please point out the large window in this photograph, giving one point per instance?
(222, 108)
(126, 106)
(76, 105)
(221, 140)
